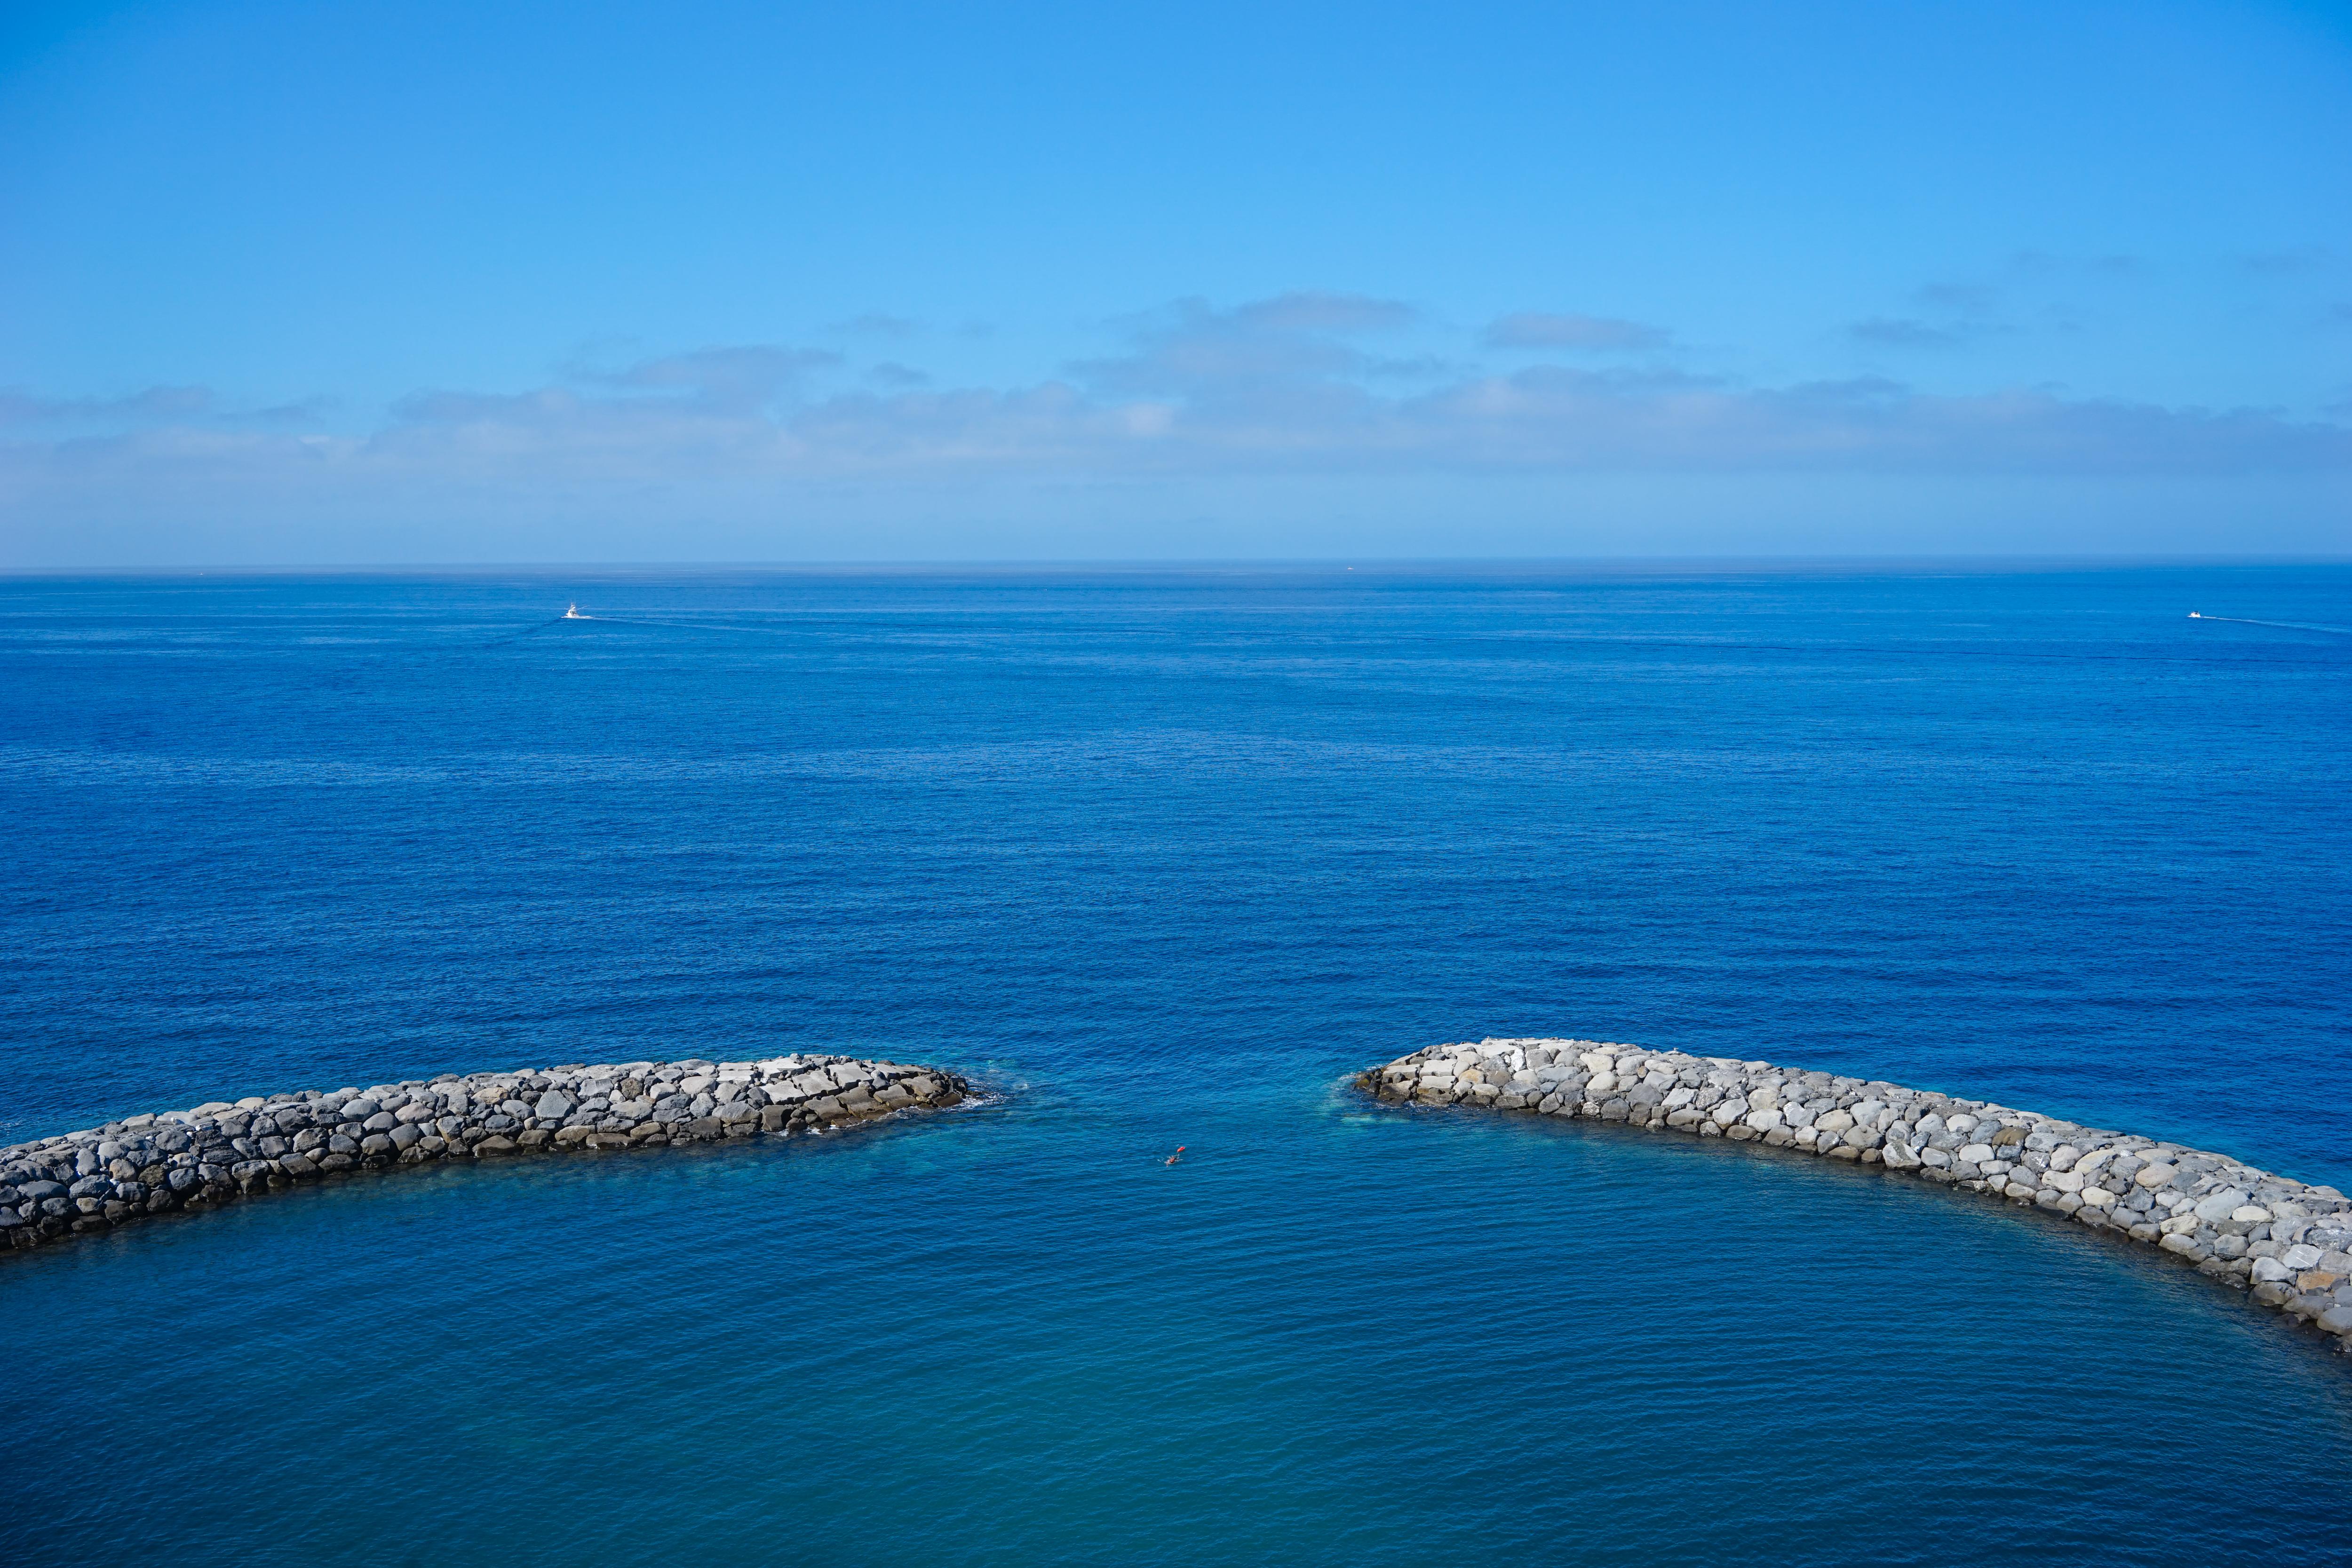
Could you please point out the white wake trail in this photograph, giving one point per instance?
(2290, 626)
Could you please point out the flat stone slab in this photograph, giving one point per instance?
(95, 1179)
(2287, 1243)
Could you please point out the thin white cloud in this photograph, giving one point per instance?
(301, 411)
(1200, 393)
(1193, 350)
(1544, 418)
(1958, 298)
(876, 324)
(2039, 263)
(1950, 314)
(155, 403)
(2289, 261)
(1315, 311)
(1902, 333)
(720, 378)
(1585, 334)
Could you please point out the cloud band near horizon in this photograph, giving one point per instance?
(1284, 386)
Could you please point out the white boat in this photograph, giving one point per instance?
(573, 614)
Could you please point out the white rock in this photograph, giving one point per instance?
(2221, 1204)
(1977, 1154)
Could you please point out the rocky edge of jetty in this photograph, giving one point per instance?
(2288, 1242)
(143, 1165)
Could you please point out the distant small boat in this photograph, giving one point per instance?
(2195, 616)
(573, 614)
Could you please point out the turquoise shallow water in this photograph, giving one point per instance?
(1162, 858)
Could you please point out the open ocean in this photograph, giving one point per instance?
(1161, 857)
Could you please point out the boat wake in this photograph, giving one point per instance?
(2290, 626)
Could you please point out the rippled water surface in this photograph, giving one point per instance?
(1163, 857)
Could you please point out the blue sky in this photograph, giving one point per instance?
(440, 282)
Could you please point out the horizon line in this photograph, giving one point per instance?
(2029, 560)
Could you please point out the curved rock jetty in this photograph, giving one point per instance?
(145, 1166)
(2290, 1243)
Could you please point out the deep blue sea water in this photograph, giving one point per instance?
(1163, 857)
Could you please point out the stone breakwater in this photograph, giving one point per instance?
(175, 1159)
(2288, 1242)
